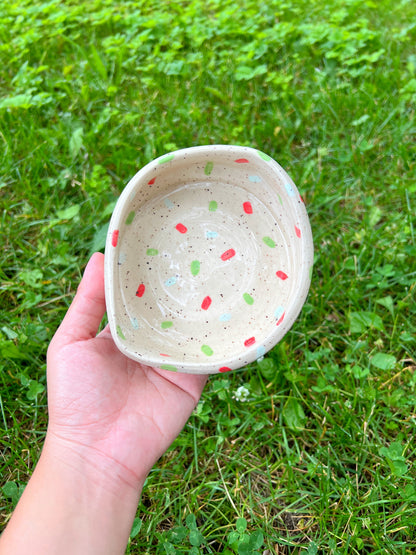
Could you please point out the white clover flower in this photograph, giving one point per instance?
(241, 394)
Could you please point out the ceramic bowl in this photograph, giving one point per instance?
(208, 259)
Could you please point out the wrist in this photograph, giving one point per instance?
(91, 467)
(97, 496)
(72, 505)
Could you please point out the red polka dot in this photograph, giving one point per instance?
(206, 303)
(242, 161)
(114, 238)
(297, 231)
(228, 254)
(151, 182)
(280, 320)
(224, 369)
(281, 275)
(248, 209)
(249, 341)
(181, 228)
(140, 290)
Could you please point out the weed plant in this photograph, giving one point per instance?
(310, 450)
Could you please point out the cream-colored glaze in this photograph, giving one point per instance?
(208, 259)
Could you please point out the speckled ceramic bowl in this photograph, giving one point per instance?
(208, 260)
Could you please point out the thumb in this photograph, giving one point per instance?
(84, 316)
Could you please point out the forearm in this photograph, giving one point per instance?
(71, 506)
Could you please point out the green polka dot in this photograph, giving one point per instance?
(120, 332)
(152, 252)
(269, 242)
(166, 158)
(195, 267)
(166, 325)
(248, 298)
(213, 205)
(169, 367)
(208, 168)
(206, 349)
(130, 217)
(264, 156)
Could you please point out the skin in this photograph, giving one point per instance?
(110, 419)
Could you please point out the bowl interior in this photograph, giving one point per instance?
(209, 253)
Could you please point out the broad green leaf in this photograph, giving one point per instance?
(383, 361)
(388, 303)
(268, 368)
(68, 213)
(190, 521)
(374, 216)
(30, 299)
(32, 278)
(393, 452)
(362, 321)
(196, 538)
(312, 549)
(35, 389)
(409, 493)
(244, 547)
(256, 539)
(99, 238)
(359, 372)
(395, 458)
(169, 548)
(11, 334)
(241, 525)
(245, 73)
(398, 468)
(10, 350)
(178, 534)
(18, 101)
(359, 543)
(137, 524)
(76, 141)
(294, 415)
(322, 386)
(10, 489)
(233, 538)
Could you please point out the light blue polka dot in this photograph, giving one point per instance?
(289, 189)
(254, 178)
(171, 281)
(261, 351)
(278, 313)
(226, 317)
(211, 234)
(168, 203)
(134, 323)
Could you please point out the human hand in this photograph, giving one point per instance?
(118, 415)
(110, 419)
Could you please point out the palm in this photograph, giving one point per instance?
(121, 410)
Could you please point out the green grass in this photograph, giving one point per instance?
(311, 450)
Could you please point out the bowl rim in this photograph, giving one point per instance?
(295, 302)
